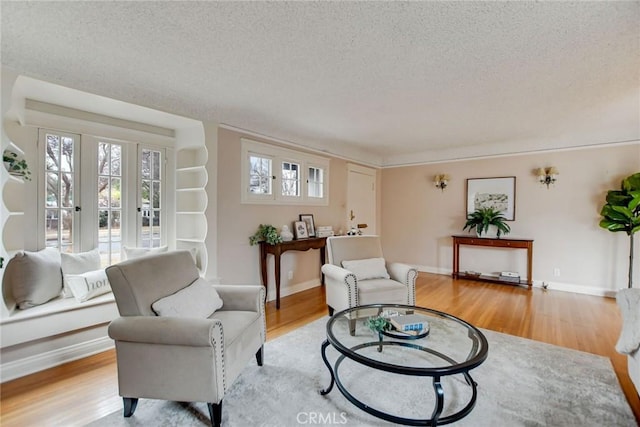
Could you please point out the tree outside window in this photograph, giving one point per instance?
(59, 169)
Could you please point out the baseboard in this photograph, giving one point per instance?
(434, 270)
(556, 286)
(576, 289)
(39, 362)
(293, 289)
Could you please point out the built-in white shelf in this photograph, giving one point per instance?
(191, 157)
(190, 169)
(13, 194)
(191, 202)
(13, 231)
(194, 240)
(194, 227)
(12, 205)
(195, 177)
(194, 200)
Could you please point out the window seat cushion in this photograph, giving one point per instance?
(57, 316)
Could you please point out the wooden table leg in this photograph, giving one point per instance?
(530, 265)
(263, 265)
(456, 260)
(277, 274)
(322, 262)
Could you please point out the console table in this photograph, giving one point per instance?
(278, 249)
(495, 243)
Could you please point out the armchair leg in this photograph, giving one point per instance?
(330, 310)
(260, 355)
(130, 404)
(215, 412)
(352, 327)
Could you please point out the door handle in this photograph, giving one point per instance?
(351, 215)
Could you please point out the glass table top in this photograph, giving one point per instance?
(448, 346)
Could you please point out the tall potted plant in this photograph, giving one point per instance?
(621, 212)
(482, 218)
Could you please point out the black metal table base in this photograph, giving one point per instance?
(435, 419)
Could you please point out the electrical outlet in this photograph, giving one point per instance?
(290, 275)
(556, 272)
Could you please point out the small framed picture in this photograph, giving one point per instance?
(311, 226)
(301, 230)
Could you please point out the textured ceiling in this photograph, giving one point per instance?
(396, 82)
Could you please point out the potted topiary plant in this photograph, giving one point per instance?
(482, 218)
(266, 233)
(621, 212)
(16, 166)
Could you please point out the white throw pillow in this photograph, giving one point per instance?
(88, 285)
(78, 263)
(371, 268)
(199, 300)
(34, 277)
(131, 253)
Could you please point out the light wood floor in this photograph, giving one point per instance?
(83, 391)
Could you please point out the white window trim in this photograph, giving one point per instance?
(325, 176)
(279, 155)
(86, 195)
(292, 200)
(90, 168)
(41, 176)
(164, 202)
(247, 196)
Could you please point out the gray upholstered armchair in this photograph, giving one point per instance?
(357, 274)
(183, 354)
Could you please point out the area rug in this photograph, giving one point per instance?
(522, 383)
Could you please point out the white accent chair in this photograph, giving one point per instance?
(367, 284)
(183, 359)
(629, 342)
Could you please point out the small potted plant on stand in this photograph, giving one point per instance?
(482, 218)
(266, 233)
(15, 166)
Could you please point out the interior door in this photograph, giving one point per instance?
(361, 199)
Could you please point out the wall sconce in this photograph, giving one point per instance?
(441, 181)
(547, 176)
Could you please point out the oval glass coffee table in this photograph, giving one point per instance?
(447, 347)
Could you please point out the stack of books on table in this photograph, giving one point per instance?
(411, 324)
(508, 276)
(324, 231)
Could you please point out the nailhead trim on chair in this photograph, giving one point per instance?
(220, 363)
(353, 289)
(261, 302)
(411, 286)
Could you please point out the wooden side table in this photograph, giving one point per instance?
(278, 249)
(495, 243)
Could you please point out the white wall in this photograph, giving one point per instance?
(238, 262)
(418, 219)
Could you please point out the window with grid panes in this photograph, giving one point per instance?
(261, 185)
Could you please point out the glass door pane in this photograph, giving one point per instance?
(109, 202)
(60, 203)
(150, 202)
